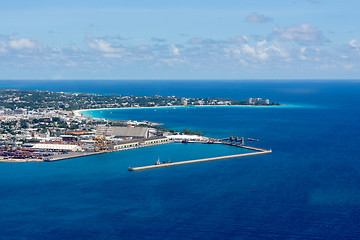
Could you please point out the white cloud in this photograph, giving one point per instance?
(112, 55)
(21, 43)
(21, 46)
(279, 50)
(257, 18)
(262, 52)
(202, 41)
(302, 53)
(3, 47)
(248, 50)
(102, 46)
(192, 54)
(354, 43)
(175, 50)
(173, 62)
(261, 43)
(196, 41)
(239, 40)
(303, 33)
(74, 48)
(144, 48)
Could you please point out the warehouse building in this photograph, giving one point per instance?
(126, 145)
(135, 132)
(155, 141)
(61, 147)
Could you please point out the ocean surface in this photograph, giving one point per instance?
(308, 188)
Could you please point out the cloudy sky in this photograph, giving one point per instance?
(197, 39)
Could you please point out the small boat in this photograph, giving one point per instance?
(160, 163)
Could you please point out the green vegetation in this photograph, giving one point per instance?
(35, 100)
(190, 132)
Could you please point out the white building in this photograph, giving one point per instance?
(47, 146)
(184, 101)
(258, 101)
(126, 145)
(188, 138)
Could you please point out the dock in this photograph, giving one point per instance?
(71, 155)
(259, 152)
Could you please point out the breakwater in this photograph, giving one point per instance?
(259, 151)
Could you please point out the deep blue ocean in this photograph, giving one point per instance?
(308, 188)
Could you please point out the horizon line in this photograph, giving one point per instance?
(262, 79)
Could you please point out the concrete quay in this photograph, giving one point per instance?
(53, 158)
(71, 155)
(243, 146)
(17, 160)
(263, 151)
(255, 149)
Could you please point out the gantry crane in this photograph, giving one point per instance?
(100, 144)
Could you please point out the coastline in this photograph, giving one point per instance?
(54, 158)
(79, 111)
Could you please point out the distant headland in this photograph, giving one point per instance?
(33, 100)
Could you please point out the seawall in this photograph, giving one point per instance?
(199, 160)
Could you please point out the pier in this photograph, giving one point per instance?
(259, 151)
(70, 156)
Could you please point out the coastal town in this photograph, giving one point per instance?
(49, 126)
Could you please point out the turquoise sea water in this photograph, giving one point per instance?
(219, 122)
(308, 188)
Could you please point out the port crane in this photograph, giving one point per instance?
(100, 144)
(235, 139)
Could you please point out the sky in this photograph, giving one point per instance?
(197, 39)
